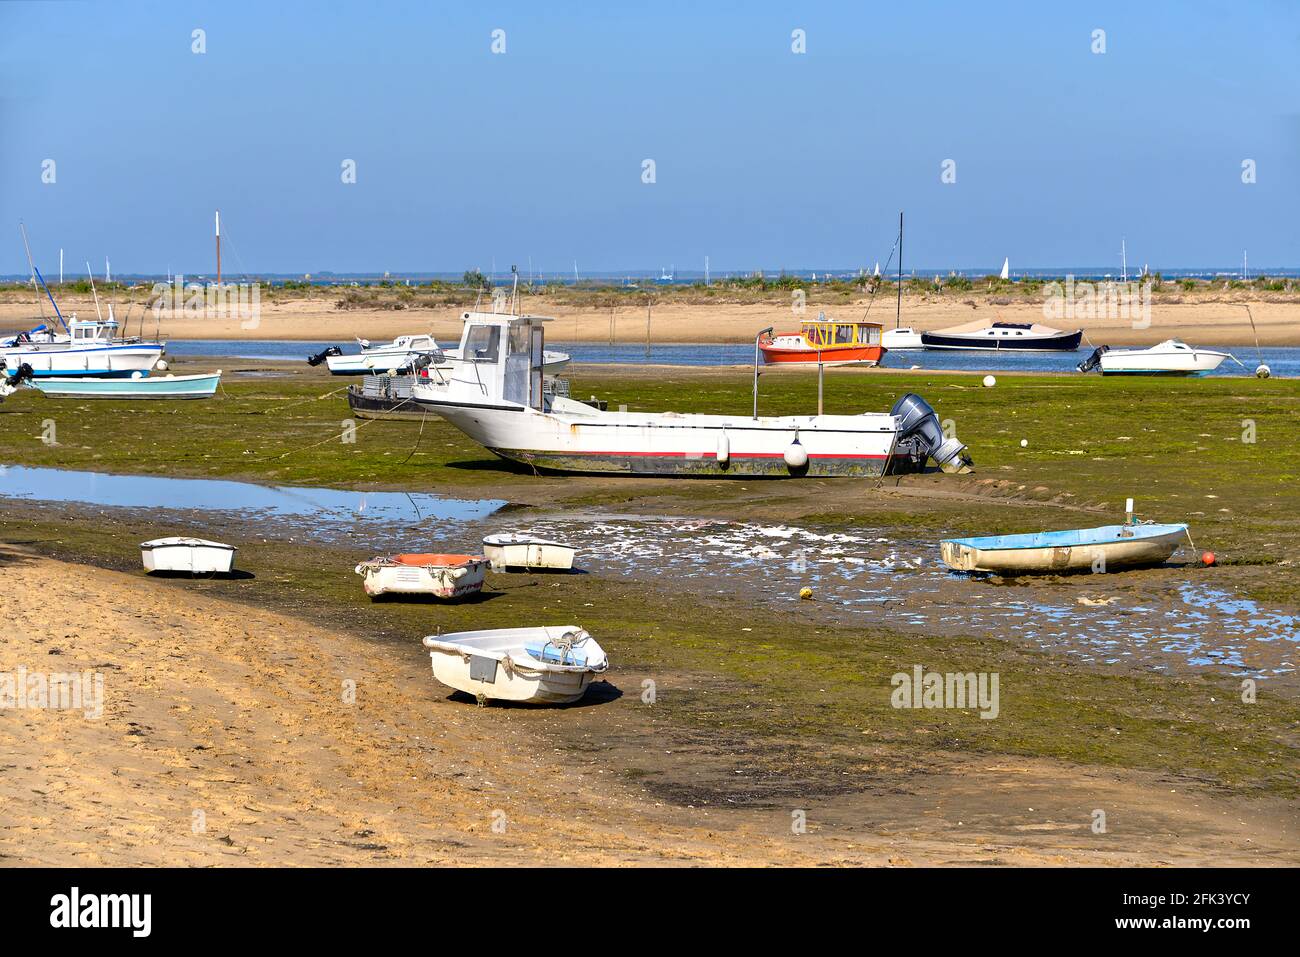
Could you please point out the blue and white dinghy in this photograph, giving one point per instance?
(1076, 549)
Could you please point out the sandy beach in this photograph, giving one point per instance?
(225, 739)
(1205, 321)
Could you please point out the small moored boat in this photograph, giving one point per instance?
(198, 556)
(547, 665)
(827, 342)
(511, 550)
(138, 387)
(443, 576)
(1172, 357)
(1003, 337)
(1078, 549)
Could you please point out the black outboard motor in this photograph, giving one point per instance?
(920, 434)
(320, 357)
(1094, 360)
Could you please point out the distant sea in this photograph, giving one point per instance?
(661, 278)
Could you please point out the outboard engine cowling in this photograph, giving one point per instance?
(919, 431)
(324, 354)
(1094, 360)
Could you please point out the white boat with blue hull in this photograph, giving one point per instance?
(1078, 549)
(496, 395)
(88, 348)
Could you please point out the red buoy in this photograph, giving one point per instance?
(1207, 559)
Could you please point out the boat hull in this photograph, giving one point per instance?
(529, 555)
(157, 387)
(101, 362)
(836, 356)
(902, 339)
(1064, 342)
(447, 582)
(500, 665)
(1098, 550)
(1196, 363)
(207, 558)
(701, 445)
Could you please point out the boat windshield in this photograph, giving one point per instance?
(841, 333)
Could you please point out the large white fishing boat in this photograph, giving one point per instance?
(494, 393)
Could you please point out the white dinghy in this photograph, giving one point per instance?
(513, 550)
(547, 665)
(443, 576)
(198, 556)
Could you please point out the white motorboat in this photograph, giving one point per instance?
(1171, 357)
(88, 348)
(198, 556)
(404, 352)
(547, 665)
(495, 394)
(443, 576)
(512, 550)
(904, 337)
(381, 357)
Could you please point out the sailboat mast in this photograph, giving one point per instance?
(218, 227)
(898, 313)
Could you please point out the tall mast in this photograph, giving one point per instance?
(218, 247)
(898, 315)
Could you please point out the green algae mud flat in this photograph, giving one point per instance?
(1084, 691)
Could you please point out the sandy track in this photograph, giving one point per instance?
(236, 712)
(1204, 323)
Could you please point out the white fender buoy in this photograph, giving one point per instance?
(724, 449)
(796, 456)
(1263, 371)
(137, 374)
(990, 381)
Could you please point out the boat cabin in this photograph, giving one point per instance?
(90, 331)
(412, 343)
(501, 358)
(823, 333)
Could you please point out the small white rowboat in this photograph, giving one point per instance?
(1081, 549)
(510, 550)
(443, 576)
(198, 556)
(548, 665)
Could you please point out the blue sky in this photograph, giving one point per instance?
(764, 158)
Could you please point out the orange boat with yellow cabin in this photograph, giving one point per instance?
(827, 341)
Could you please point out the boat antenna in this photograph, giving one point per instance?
(92, 291)
(514, 292)
(898, 313)
(36, 274)
(765, 332)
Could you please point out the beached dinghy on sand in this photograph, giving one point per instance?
(513, 550)
(443, 576)
(495, 393)
(198, 556)
(549, 665)
(1077, 549)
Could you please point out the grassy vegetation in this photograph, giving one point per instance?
(802, 702)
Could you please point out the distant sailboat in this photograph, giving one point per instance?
(877, 267)
(1006, 268)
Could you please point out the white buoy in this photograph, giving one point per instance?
(1024, 443)
(161, 365)
(724, 449)
(1262, 371)
(796, 456)
(137, 374)
(989, 382)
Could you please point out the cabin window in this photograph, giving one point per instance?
(815, 335)
(484, 344)
(519, 339)
(844, 334)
